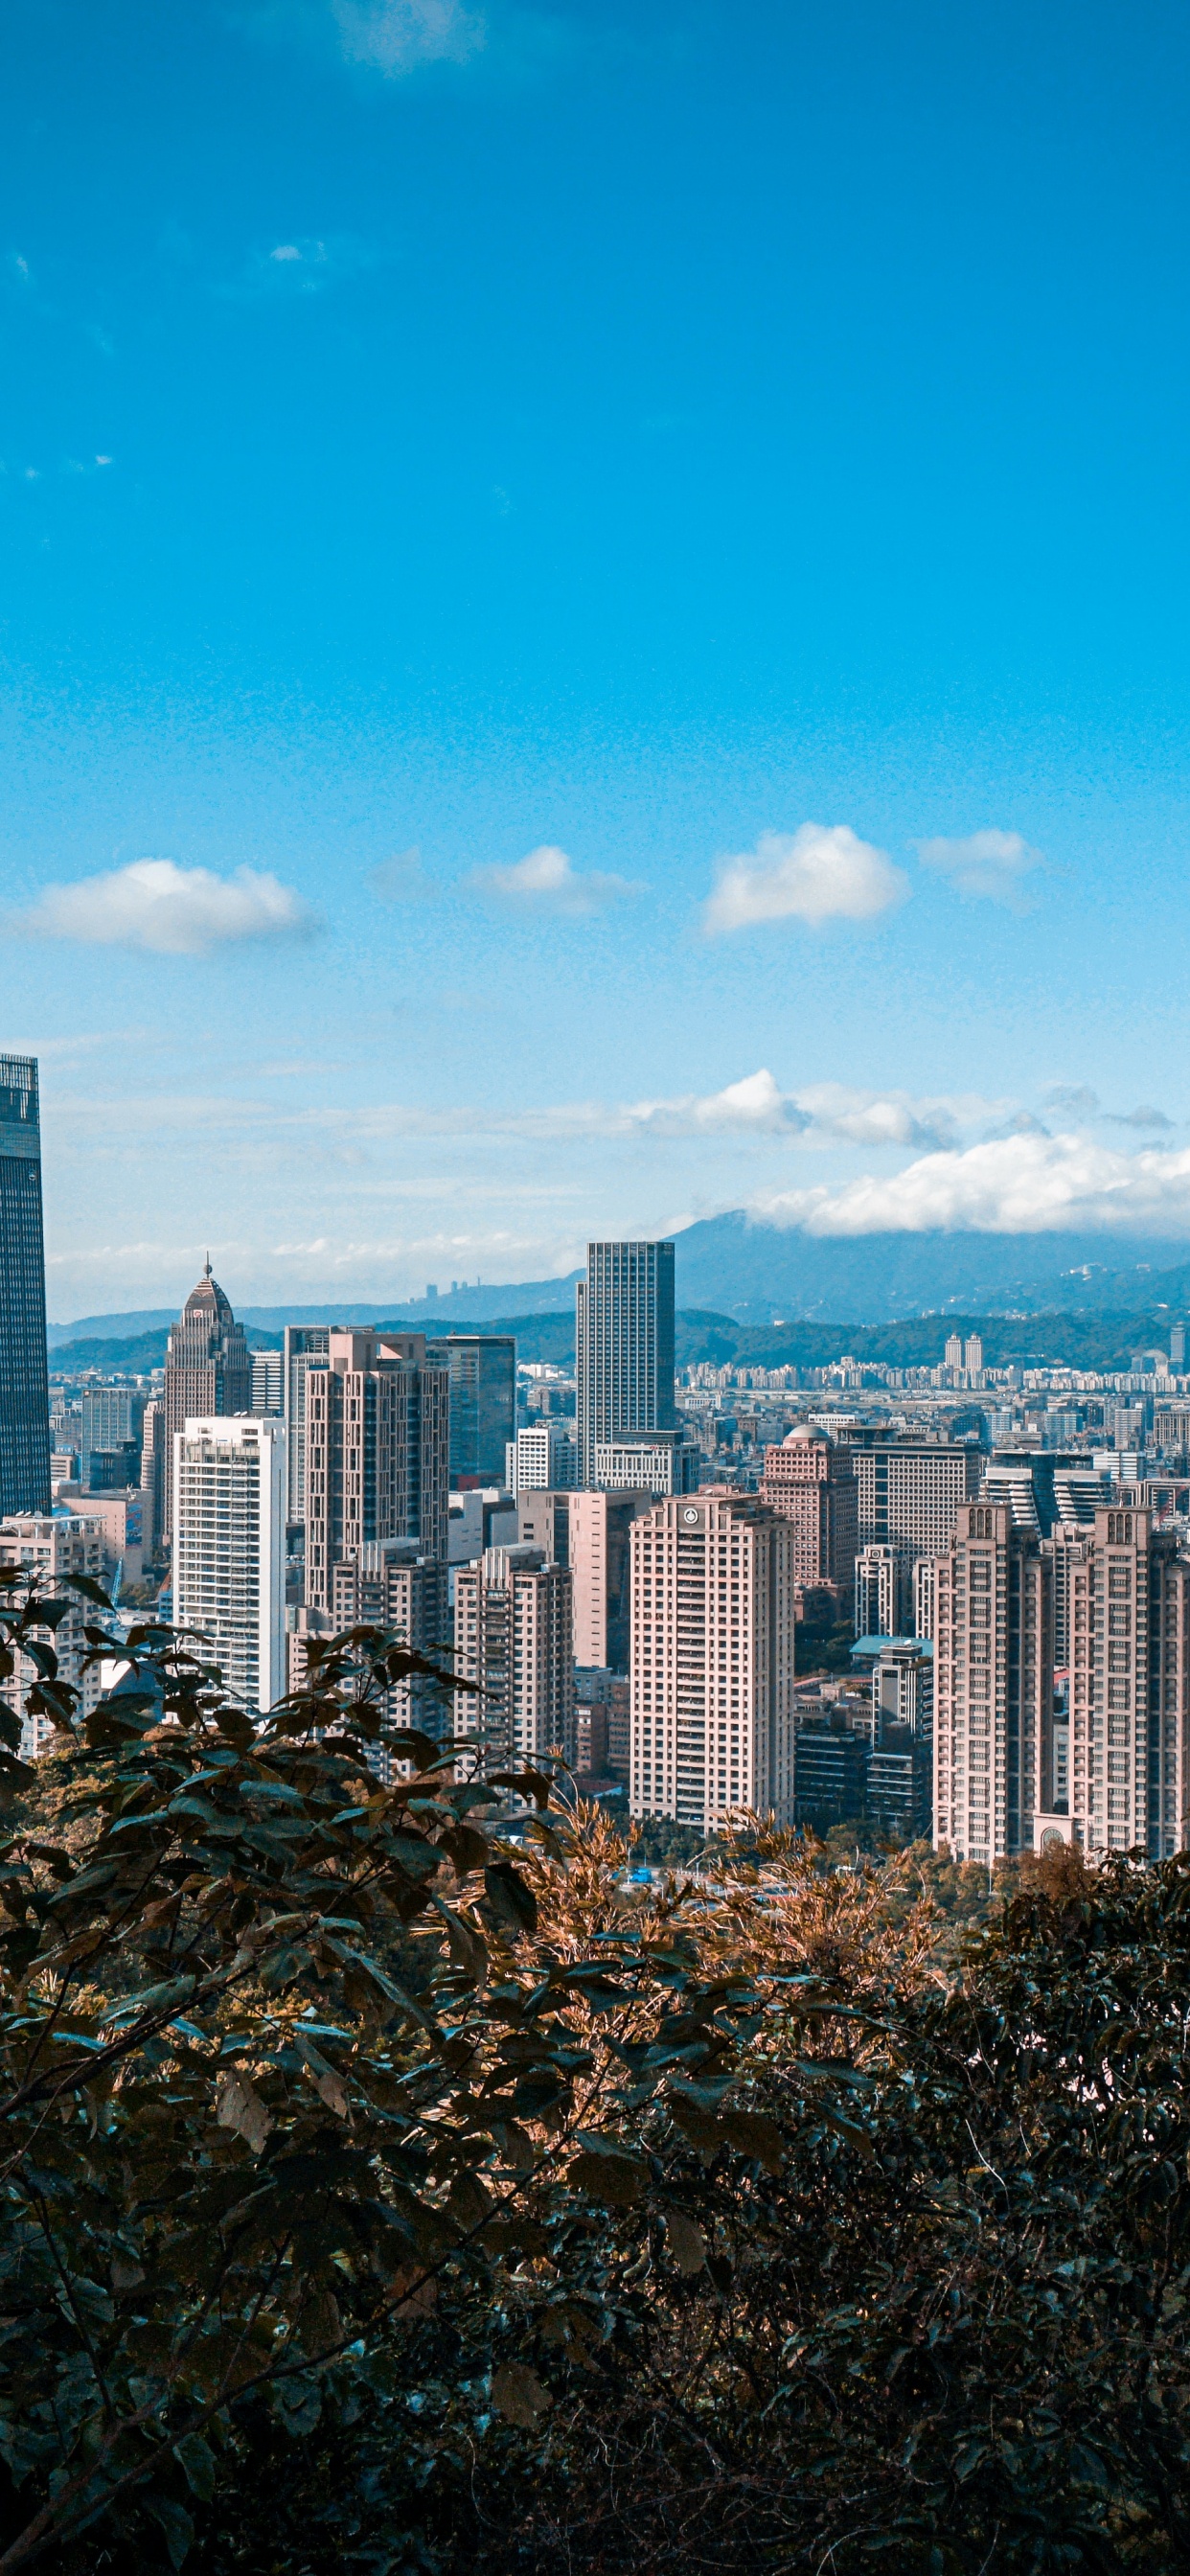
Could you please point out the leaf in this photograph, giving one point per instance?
(176, 2524)
(467, 1949)
(532, 1782)
(512, 1903)
(330, 2089)
(519, 2395)
(686, 2242)
(238, 2106)
(609, 2173)
(755, 2133)
(198, 2465)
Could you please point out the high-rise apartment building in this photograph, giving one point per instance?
(154, 1476)
(973, 1356)
(711, 1660)
(624, 1347)
(811, 1483)
(24, 1389)
(600, 1550)
(51, 1548)
(376, 1452)
(208, 1368)
(303, 1343)
(543, 1455)
(953, 1358)
(1128, 1753)
(482, 1371)
(993, 1685)
(388, 1585)
(910, 1492)
(514, 1623)
(229, 1549)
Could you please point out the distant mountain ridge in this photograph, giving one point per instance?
(756, 1274)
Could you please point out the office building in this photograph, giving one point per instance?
(909, 1492)
(268, 1382)
(1127, 1758)
(830, 1763)
(480, 1517)
(711, 1660)
(668, 1463)
(50, 1548)
(208, 1368)
(302, 1344)
(228, 1524)
(543, 1455)
(388, 1585)
(993, 1685)
(811, 1483)
(513, 1636)
(154, 1471)
(903, 1688)
(899, 1784)
(111, 1437)
(24, 1387)
(376, 1452)
(624, 1349)
(879, 1587)
(602, 1724)
(481, 1368)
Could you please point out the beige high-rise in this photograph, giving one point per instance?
(208, 1370)
(513, 1635)
(993, 1685)
(712, 1660)
(1128, 1594)
(376, 1458)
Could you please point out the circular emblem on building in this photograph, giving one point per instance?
(690, 1516)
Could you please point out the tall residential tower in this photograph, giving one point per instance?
(24, 1393)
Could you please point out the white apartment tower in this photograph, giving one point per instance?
(514, 1623)
(229, 1549)
(48, 1549)
(711, 1660)
(542, 1458)
(878, 1590)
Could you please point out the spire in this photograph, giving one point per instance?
(207, 1271)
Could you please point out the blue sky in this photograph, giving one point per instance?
(625, 570)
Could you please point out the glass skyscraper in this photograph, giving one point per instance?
(624, 1346)
(482, 1368)
(24, 1393)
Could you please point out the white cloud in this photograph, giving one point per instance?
(398, 36)
(304, 266)
(992, 864)
(1021, 1184)
(818, 873)
(547, 881)
(754, 1106)
(401, 879)
(154, 904)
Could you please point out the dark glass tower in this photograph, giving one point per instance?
(24, 1393)
(482, 1370)
(624, 1346)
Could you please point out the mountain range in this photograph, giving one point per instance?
(763, 1274)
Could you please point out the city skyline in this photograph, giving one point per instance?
(672, 536)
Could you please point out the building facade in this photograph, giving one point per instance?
(514, 1622)
(208, 1368)
(711, 1660)
(481, 1368)
(50, 1548)
(229, 1550)
(910, 1493)
(24, 1387)
(1128, 1745)
(993, 1685)
(302, 1343)
(600, 1556)
(669, 1463)
(624, 1347)
(388, 1585)
(542, 1456)
(376, 1466)
(879, 1590)
(811, 1484)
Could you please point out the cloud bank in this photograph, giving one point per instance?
(818, 873)
(1020, 1184)
(154, 904)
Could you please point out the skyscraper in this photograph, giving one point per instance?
(811, 1484)
(514, 1636)
(712, 1660)
(229, 1549)
(624, 1348)
(376, 1452)
(24, 1392)
(909, 1492)
(1128, 1754)
(482, 1372)
(208, 1369)
(993, 1685)
(303, 1342)
(542, 1455)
